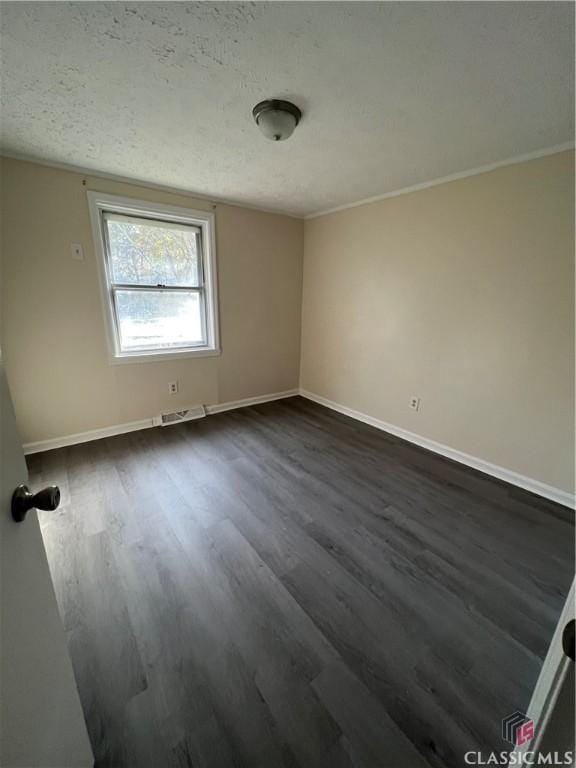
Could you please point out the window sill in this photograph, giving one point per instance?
(155, 357)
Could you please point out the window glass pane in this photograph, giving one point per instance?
(152, 252)
(159, 319)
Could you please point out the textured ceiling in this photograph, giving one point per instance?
(393, 94)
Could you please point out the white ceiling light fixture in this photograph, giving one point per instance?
(276, 118)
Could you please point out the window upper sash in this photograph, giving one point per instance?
(152, 253)
(149, 221)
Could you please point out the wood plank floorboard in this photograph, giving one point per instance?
(283, 586)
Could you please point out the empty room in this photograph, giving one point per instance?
(287, 384)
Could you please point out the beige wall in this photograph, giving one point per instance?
(461, 294)
(53, 328)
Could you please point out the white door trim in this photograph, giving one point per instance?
(542, 707)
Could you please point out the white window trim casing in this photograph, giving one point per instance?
(98, 203)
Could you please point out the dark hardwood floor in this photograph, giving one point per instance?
(283, 586)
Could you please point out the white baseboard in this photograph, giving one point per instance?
(521, 481)
(527, 483)
(86, 437)
(134, 426)
(219, 408)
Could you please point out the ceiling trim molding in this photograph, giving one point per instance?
(145, 184)
(279, 212)
(445, 179)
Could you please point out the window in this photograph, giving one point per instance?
(158, 278)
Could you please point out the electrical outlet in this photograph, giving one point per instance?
(415, 403)
(173, 387)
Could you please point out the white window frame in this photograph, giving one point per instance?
(100, 203)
